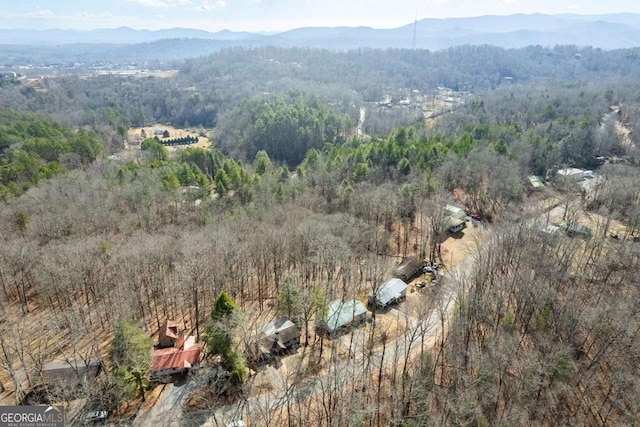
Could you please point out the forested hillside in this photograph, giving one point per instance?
(326, 169)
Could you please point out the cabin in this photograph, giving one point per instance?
(391, 292)
(174, 354)
(277, 337)
(453, 225)
(454, 218)
(70, 374)
(341, 315)
(408, 268)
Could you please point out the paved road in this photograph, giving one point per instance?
(167, 412)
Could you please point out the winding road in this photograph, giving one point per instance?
(420, 334)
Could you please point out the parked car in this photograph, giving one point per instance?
(96, 416)
(421, 284)
(238, 423)
(430, 268)
(476, 216)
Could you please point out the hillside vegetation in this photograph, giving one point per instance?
(542, 330)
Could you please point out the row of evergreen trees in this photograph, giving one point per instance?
(186, 140)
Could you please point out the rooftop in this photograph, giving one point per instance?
(71, 371)
(389, 291)
(176, 358)
(455, 212)
(341, 313)
(536, 181)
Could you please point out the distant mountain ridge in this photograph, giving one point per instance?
(612, 31)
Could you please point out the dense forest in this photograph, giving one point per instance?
(326, 169)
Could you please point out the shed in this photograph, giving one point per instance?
(71, 373)
(536, 182)
(342, 314)
(278, 336)
(408, 269)
(575, 229)
(389, 293)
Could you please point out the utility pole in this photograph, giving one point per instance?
(415, 25)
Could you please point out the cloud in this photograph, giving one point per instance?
(205, 6)
(162, 3)
(104, 15)
(43, 13)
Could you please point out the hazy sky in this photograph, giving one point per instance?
(274, 15)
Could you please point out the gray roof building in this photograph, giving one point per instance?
(408, 268)
(71, 373)
(454, 219)
(390, 292)
(280, 335)
(340, 314)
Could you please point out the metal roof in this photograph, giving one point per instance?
(391, 290)
(455, 212)
(341, 313)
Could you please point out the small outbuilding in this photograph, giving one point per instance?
(341, 315)
(574, 229)
(391, 292)
(535, 182)
(408, 268)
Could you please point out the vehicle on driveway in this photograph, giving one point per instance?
(421, 284)
(96, 416)
(430, 267)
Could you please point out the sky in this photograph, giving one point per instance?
(274, 15)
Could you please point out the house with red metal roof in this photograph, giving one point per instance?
(175, 353)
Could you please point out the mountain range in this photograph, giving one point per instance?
(613, 31)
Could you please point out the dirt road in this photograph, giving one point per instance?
(422, 333)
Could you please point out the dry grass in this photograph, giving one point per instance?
(136, 132)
